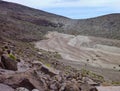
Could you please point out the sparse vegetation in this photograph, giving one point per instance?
(20, 26)
(115, 83)
(12, 56)
(90, 74)
(57, 55)
(48, 65)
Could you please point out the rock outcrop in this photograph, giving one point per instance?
(50, 71)
(4, 87)
(8, 63)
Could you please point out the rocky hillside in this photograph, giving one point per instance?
(27, 24)
(104, 26)
(26, 72)
(25, 68)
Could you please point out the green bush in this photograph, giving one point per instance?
(48, 65)
(12, 56)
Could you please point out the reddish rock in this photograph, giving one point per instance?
(4, 87)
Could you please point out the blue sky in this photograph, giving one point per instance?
(76, 9)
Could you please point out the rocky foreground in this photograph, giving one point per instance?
(18, 75)
(95, 54)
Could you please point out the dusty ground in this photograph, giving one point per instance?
(83, 51)
(109, 88)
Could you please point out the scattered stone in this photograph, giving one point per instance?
(1, 65)
(93, 89)
(35, 90)
(53, 87)
(37, 64)
(58, 78)
(18, 60)
(34, 76)
(26, 83)
(8, 51)
(21, 89)
(71, 86)
(62, 88)
(90, 81)
(1, 52)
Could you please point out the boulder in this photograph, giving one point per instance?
(4, 87)
(1, 52)
(87, 87)
(71, 86)
(48, 70)
(28, 80)
(1, 65)
(93, 89)
(90, 81)
(37, 64)
(21, 89)
(8, 63)
(26, 84)
(36, 90)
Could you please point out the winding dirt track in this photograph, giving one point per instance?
(83, 50)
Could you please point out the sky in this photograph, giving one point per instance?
(75, 9)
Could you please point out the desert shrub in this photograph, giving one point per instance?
(12, 56)
(48, 65)
(58, 56)
(116, 83)
(88, 73)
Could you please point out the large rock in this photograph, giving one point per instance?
(21, 89)
(71, 86)
(37, 64)
(4, 87)
(49, 70)
(28, 79)
(93, 89)
(1, 52)
(35, 90)
(1, 65)
(9, 63)
(90, 81)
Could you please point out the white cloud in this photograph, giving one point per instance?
(69, 3)
(81, 8)
(34, 3)
(87, 3)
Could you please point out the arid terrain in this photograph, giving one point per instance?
(41, 51)
(85, 52)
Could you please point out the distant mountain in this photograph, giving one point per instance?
(103, 26)
(27, 24)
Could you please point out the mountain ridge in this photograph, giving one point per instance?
(21, 28)
(20, 20)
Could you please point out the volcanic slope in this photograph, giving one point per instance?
(84, 51)
(27, 24)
